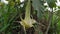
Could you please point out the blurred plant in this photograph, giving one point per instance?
(48, 22)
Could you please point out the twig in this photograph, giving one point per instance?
(50, 21)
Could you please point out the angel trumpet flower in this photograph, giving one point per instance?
(27, 22)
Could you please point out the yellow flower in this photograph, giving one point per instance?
(27, 22)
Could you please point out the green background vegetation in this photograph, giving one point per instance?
(48, 22)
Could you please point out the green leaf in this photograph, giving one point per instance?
(37, 5)
(51, 3)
